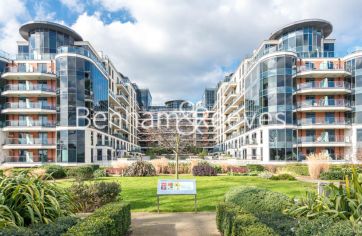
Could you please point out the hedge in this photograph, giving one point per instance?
(57, 228)
(111, 219)
(324, 225)
(257, 200)
(233, 221)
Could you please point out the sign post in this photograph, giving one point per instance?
(176, 187)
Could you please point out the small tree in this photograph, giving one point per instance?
(170, 138)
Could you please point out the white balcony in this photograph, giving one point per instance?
(323, 88)
(20, 90)
(28, 108)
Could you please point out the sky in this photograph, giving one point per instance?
(177, 48)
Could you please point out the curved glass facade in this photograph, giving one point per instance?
(306, 42)
(355, 67)
(80, 83)
(43, 40)
(269, 88)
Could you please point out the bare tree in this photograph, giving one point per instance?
(172, 136)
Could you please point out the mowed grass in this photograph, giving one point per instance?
(141, 191)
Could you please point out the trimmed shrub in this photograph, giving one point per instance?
(82, 172)
(55, 171)
(253, 167)
(297, 169)
(233, 221)
(89, 197)
(311, 227)
(111, 220)
(15, 231)
(257, 230)
(242, 221)
(257, 200)
(283, 177)
(225, 216)
(57, 228)
(140, 168)
(100, 173)
(279, 222)
(336, 174)
(341, 228)
(203, 169)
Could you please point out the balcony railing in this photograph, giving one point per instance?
(324, 139)
(83, 52)
(21, 87)
(324, 85)
(30, 123)
(17, 69)
(28, 159)
(40, 56)
(325, 121)
(324, 103)
(30, 141)
(328, 67)
(30, 105)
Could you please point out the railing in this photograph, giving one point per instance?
(30, 123)
(30, 141)
(328, 67)
(22, 87)
(28, 159)
(16, 69)
(39, 56)
(324, 139)
(326, 121)
(83, 52)
(324, 85)
(30, 105)
(324, 103)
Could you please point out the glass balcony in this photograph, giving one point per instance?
(40, 56)
(30, 141)
(325, 121)
(324, 85)
(26, 69)
(28, 159)
(83, 52)
(30, 123)
(22, 87)
(324, 103)
(324, 139)
(30, 105)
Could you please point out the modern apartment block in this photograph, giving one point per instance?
(292, 97)
(194, 123)
(55, 78)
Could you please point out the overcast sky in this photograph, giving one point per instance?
(176, 48)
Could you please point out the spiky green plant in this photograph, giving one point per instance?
(26, 199)
(342, 202)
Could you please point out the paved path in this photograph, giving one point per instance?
(174, 224)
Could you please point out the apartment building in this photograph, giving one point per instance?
(56, 78)
(294, 96)
(194, 123)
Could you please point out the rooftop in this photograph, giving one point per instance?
(324, 25)
(27, 27)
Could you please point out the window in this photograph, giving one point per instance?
(99, 154)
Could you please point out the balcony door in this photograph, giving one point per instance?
(25, 156)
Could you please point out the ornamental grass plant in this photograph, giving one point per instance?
(317, 163)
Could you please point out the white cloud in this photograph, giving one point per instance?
(10, 12)
(178, 48)
(74, 5)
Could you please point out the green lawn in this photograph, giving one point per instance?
(141, 191)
